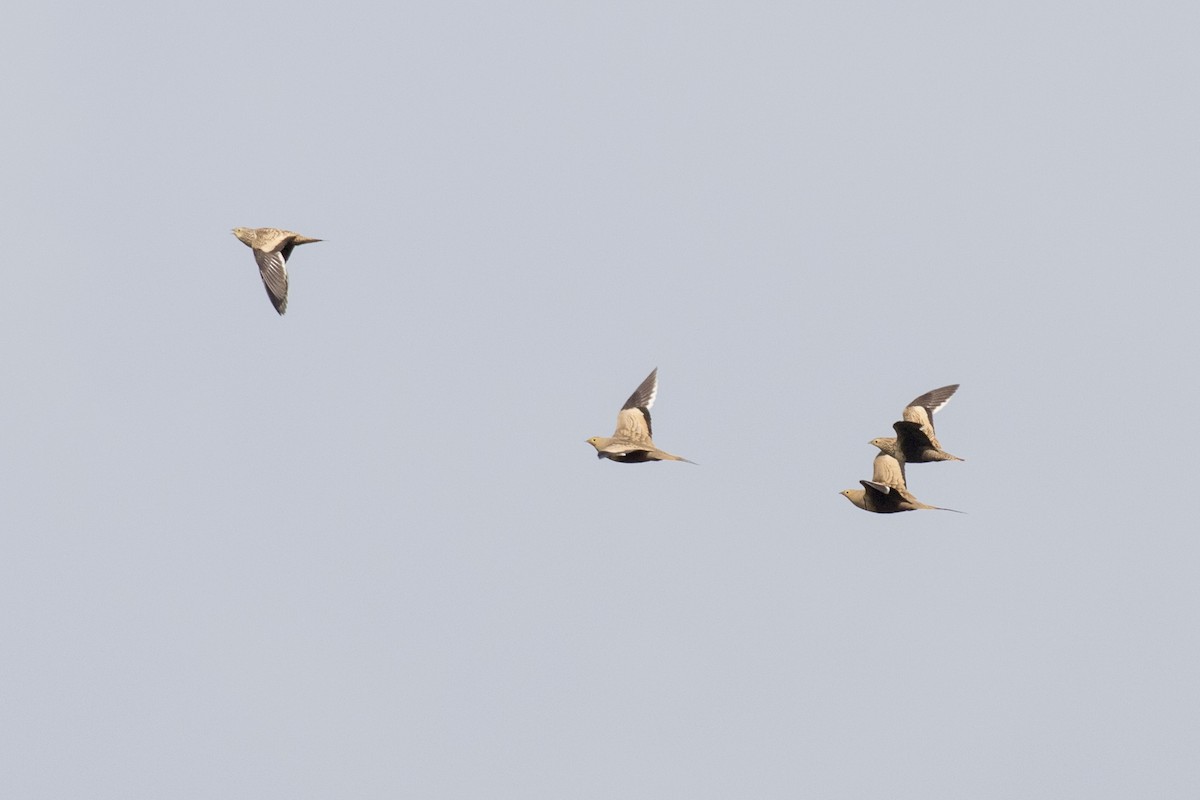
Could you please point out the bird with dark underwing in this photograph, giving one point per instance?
(631, 442)
(915, 441)
(886, 492)
(272, 247)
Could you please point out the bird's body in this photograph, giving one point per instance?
(631, 442)
(272, 247)
(915, 441)
(880, 499)
(886, 492)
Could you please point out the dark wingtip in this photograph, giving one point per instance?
(642, 393)
(935, 398)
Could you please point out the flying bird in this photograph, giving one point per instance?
(271, 248)
(631, 442)
(915, 442)
(886, 492)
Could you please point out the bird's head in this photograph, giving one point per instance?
(243, 234)
(596, 443)
(883, 443)
(855, 496)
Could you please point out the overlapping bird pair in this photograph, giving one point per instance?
(914, 443)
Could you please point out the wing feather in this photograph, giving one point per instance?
(271, 266)
(922, 408)
(643, 396)
(880, 489)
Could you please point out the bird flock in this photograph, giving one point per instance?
(631, 443)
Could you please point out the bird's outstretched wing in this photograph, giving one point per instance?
(271, 266)
(633, 422)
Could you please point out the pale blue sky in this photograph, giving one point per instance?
(364, 551)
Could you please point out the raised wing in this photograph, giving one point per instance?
(641, 400)
(888, 471)
(922, 408)
(643, 396)
(633, 425)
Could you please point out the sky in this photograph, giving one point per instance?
(363, 550)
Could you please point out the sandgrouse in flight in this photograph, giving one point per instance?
(271, 248)
(631, 442)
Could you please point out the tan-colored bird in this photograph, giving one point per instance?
(915, 442)
(886, 493)
(631, 442)
(272, 247)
